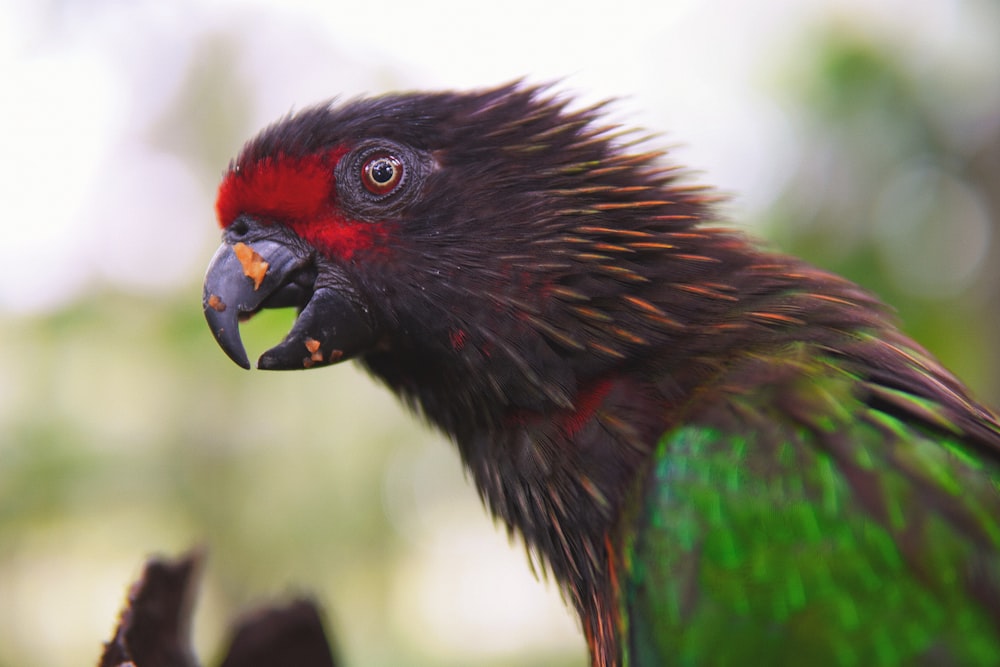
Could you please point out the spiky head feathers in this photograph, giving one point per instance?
(511, 231)
(509, 150)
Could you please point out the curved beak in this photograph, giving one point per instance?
(260, 267)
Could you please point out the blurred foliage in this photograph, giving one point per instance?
(124, 431)
(896, 185)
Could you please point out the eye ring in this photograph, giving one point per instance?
(382, 173)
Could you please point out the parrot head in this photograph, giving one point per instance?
(491, 248)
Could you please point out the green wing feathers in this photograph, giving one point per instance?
(814, 520)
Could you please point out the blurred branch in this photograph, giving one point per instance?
(155, 627)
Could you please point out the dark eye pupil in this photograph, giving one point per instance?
(383, 171)
(382, 174)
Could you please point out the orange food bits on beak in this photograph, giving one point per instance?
(254, 266)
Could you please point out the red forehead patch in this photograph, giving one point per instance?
(299, 192)
(280, 187)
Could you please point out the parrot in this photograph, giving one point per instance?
(721, 454)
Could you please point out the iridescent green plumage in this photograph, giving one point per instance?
(800, 520)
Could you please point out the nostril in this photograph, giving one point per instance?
(239, 227)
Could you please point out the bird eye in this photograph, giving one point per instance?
(381, 173)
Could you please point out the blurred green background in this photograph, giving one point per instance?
(864, 136)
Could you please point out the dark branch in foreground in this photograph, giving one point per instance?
(154, 627)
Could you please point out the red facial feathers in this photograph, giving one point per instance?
(298, 191)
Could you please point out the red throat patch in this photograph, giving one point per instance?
(301, 193)
(587, 402)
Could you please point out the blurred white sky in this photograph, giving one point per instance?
(89, 200)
